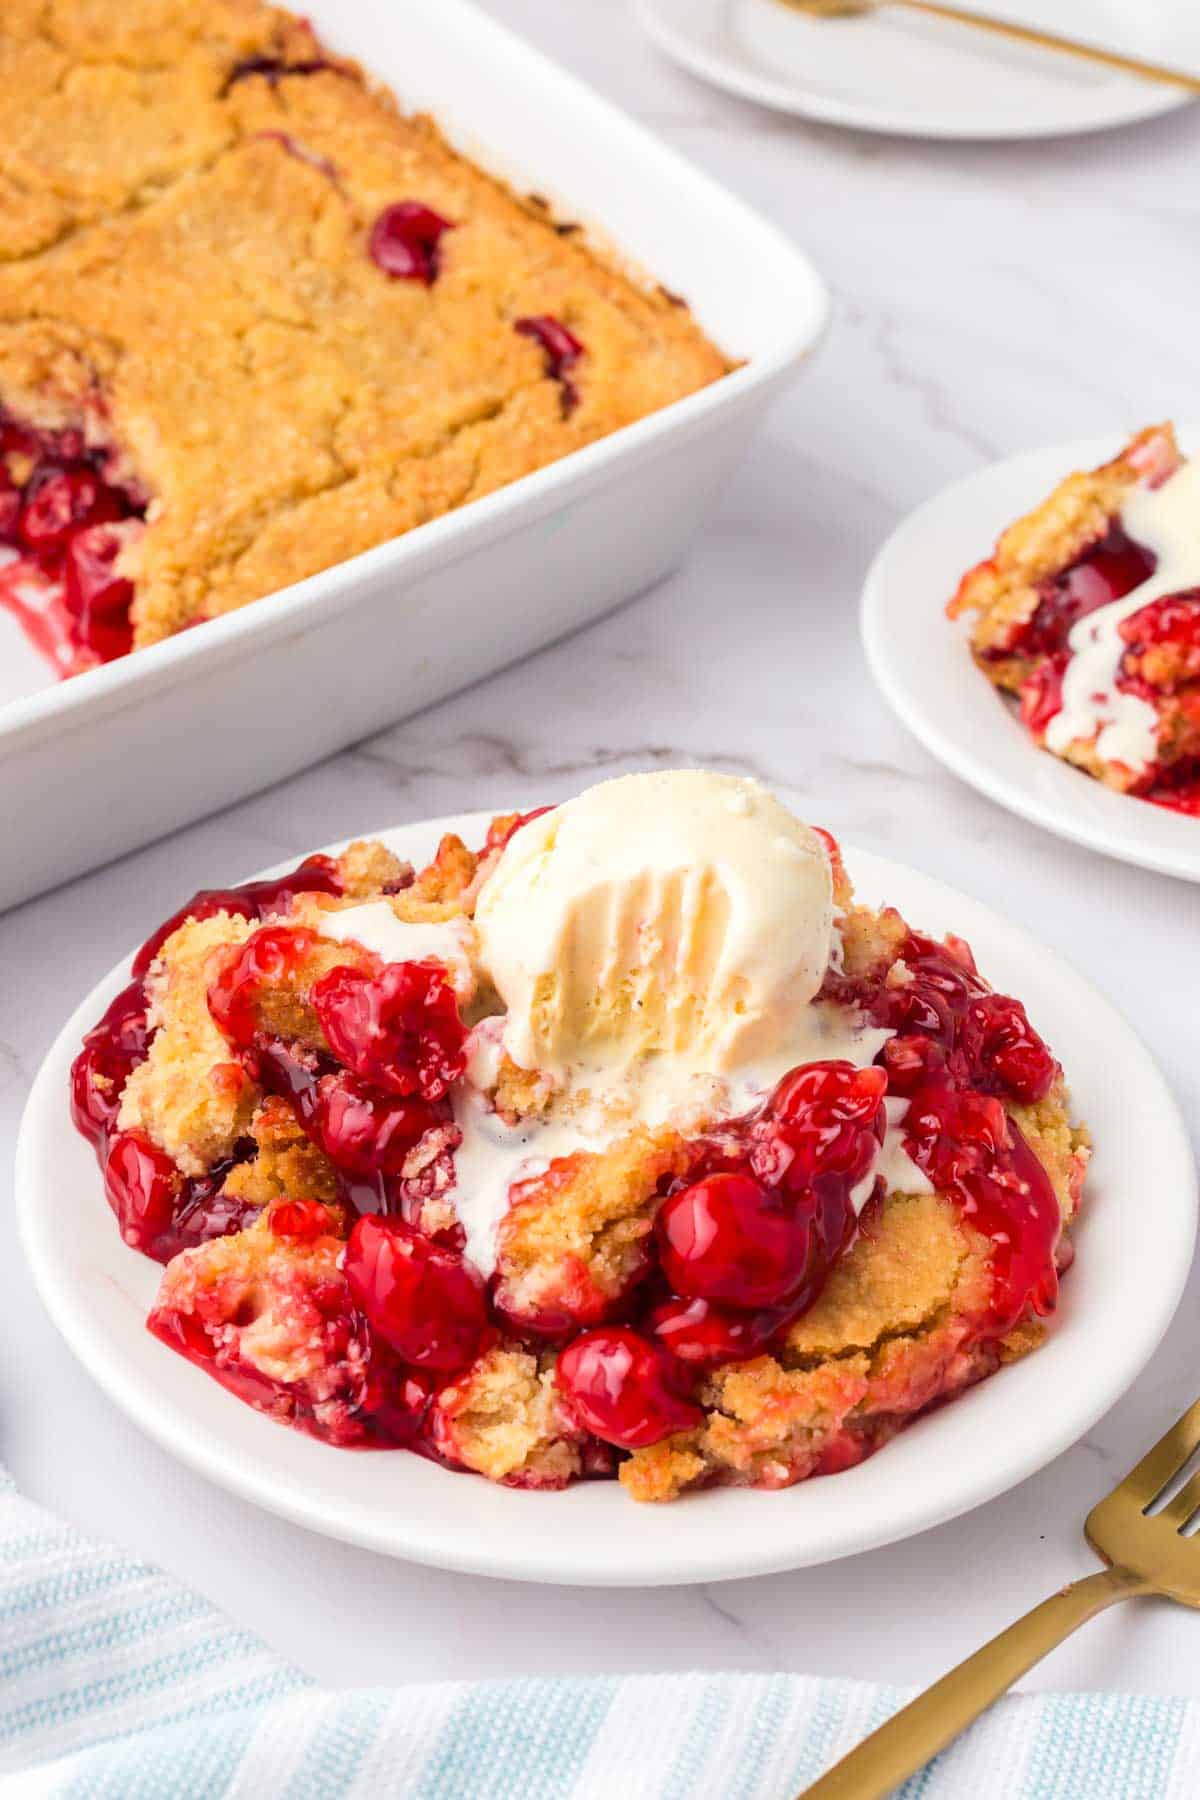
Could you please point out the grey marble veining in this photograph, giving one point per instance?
(987, 299)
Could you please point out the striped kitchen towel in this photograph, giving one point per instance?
(119, 1683)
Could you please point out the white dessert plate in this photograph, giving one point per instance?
(923, 77)
(1136, 1240)
(921, 662)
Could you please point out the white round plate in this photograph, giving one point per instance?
(922, 664)
(895, 71)
(1134, 1250)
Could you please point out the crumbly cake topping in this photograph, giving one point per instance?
(275, 1115)
(1089, 612)
(287, 317)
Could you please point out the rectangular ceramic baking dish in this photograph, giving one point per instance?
(92, 767)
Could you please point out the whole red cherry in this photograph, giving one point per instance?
(426, 1302)
(825, 1118)
(618, 1385)
(141, 1183)
(360, 1129)
(405, 241)
(729, 1238)
(399, 1030)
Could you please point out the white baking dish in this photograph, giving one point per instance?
(92, 767)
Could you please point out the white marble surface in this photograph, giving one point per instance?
(987, 300)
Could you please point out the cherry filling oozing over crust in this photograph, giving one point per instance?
(1162, 638)
(67, 520)
(958, 1052)
(1162, 654)
(1109, 570)
(745, 1231)
(159, 1210)
(400, 1030)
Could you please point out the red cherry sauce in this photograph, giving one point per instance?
(1182, 797)
(1107, 571)
(1161, 659)
(747, 1242)
(159, 1210)
(396, 1045)
(364, 1398)
(66, 521)
(252, 900)
(742, 1243)
(958, 1053)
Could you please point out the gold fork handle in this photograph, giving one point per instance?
(906, 1743)
(1050, 40)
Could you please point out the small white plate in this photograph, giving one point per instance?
(923, 666)
(1135, 1247)
(896, 71)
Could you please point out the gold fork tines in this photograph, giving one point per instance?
(1021, 34)
(1122, 1529)
(1146, 1553)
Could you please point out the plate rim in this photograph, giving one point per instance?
(736, 75)
(961, 757)
(152, 1413)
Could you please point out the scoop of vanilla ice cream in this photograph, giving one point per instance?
(679, 913)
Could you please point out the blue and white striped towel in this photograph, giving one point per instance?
(119, 1683)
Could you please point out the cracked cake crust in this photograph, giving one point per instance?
(905, 1318)
(186, 198)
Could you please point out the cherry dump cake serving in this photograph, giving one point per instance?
(254, 319)
(1089, 612)
(628, 1144)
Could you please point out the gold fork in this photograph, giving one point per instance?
(1146, 1553)
(1023, 34)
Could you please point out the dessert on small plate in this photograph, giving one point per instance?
(625, 1143)
(1089, 611)
(1085, 617)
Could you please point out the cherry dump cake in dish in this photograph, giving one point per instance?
(625, 1144)
(1089, 612)
(254, 319)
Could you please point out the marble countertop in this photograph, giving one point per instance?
(987, 299)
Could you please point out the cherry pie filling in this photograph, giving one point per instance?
(65, 519)
(741, 1244)
(1162, 655)
(160, 1210)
